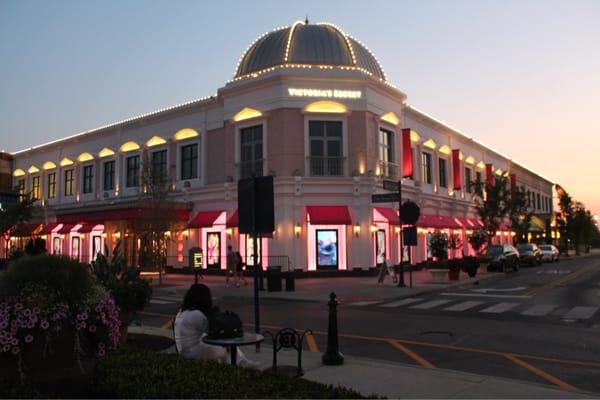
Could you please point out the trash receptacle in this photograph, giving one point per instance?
(290, 281)
(274, 279)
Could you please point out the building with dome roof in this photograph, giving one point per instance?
(309, 105)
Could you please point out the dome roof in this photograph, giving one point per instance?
(305, 44)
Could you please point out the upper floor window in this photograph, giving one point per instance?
(69, 182)
(478, 177)
(539, 204)
(35, 186)
(251, 151)
(52, 185)
(133, 171)
(88, 176)
(426, 167)
(443, 173)
(21, 187)
(325, 145)
(189, 161)
(109, 175)
(468, 180)
(159, 166)
(386, 152)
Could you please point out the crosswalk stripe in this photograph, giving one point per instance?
(364, 303)
(499, 308)
(580, 313)
(430, 304)
(402, 302)
(465, 305)
(539, 310)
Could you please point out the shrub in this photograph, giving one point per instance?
(143, 374)
(439, 245)
(35, 247)
(48, 302)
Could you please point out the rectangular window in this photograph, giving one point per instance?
(21, 187)
(35, 186)
(386, 153)
(69, 182)
(52, 185)
(251, 151)
(325, 146)
(327, 248)
(189, 161)
(133, 171)
(109, 175)
(468, 181)
(88, 179)
(539, 204)
(442, 172)
(426, 160)
(159, 166)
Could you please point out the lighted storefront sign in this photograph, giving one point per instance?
(325, 93)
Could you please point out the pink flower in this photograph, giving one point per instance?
(28, 338)
(15, 350)
(15, 342)
(6, 348)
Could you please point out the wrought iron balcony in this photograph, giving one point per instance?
(326, 166)
(247, 169)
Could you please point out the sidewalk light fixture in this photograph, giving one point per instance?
(373, 228)
(297, 230)
(356, 230)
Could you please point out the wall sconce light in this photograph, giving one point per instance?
(397, 229)
(186, 233)
(167, 233)
(297, 230)
(117, 235)
(373, 228)
(513, 233)
(229, 231)
(104, 235)
(356, 230)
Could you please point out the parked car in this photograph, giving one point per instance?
(530, 254)
(549, 252)
(502, 257)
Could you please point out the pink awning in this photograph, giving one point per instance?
(87, 228)
(233, 221)
(389, 214)
(439, 221)
(47, 229)
(66, 228)
(329, 215)
(468, 223)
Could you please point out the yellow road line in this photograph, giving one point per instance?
(167, 324)
(424, 363)
(312, 344)
(540, 373)
(550, 285)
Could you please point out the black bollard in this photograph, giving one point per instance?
(332, 355)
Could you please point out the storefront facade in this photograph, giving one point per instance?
(308, 105)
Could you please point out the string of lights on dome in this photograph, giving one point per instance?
(289, 40)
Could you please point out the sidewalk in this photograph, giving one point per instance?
(394, 380)
(347, 289)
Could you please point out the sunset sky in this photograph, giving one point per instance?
(523, 77)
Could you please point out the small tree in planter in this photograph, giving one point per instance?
(439, 245)
(470, 265)
(478, 239)
(130, 291)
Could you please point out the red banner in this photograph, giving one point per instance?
(407, 154)
(456, 169)
(489, 175)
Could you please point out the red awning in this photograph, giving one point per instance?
(438, 221)
(329, 215)
(47, 229)
(233, 221)
(66, 228)
(111, 215)
(389, 214)
(87, 228)
(205, 219)
(24, 230)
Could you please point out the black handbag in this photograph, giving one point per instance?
(225, 325)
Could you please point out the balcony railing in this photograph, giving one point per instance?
(388, 170)
(326, 166)
(247, 169)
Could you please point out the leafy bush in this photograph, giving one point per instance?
(35, 247)
(143, 374)
(478, 239)
(439, 245)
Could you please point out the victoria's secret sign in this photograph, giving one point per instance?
(328, 93)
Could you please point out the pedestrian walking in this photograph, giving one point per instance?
(230, 264)
(239, 270)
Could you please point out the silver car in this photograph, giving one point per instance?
(549, 252)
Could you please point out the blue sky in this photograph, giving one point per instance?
(521, 76)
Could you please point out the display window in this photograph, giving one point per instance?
(75, 247)
(250, 250)
(327, 248)
(380, 249)
(56, 246)
(213, 249)
(96, 246)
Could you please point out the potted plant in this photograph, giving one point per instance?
(478, 239)
(130, 291)
(438, 270)
(454, 268)
(54, 320)
(470, 265)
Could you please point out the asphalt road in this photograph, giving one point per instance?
(539, 324)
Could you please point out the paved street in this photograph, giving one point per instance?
(540, 324)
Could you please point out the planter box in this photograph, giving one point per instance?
(439, 275)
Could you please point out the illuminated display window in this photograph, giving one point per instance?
(327, 248)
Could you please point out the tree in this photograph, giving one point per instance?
(15, 215)
(158, 215)
(478, 239)
(493, 204)
(519, 213)
(439, 245)
(564, 220)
